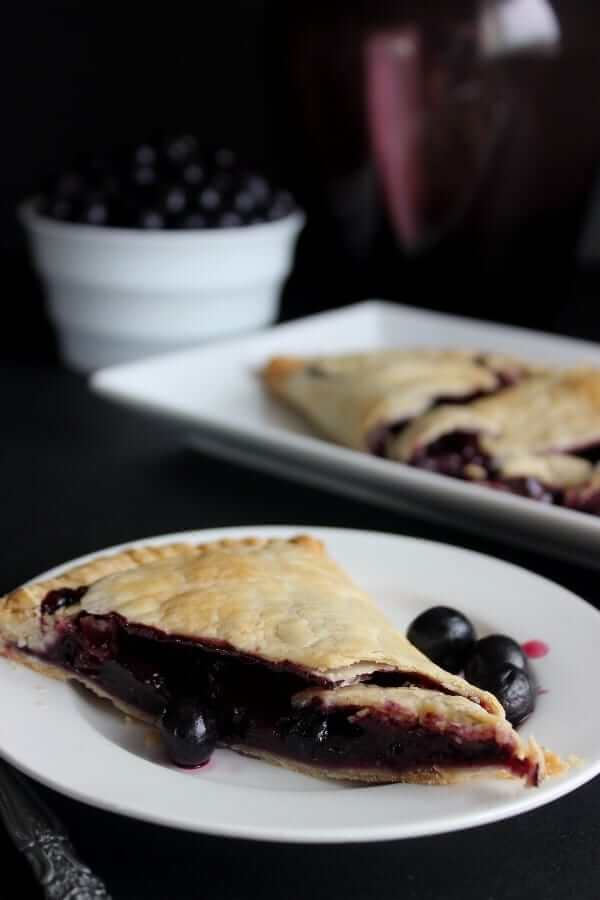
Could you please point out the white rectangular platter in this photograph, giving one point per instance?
(213, 393)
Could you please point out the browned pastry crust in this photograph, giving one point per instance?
(349, 397)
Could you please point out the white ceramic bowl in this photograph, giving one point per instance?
(116, 294)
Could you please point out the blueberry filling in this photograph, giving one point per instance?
(454, 454)
(582, 500)
(201, 693)
(61, 599)
(336, 738)
(380, 436)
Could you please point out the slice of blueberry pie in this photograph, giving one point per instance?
(362, 400)
(266, 647)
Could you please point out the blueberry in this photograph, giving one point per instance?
(145, 155)
(209, 199)
(150, 218)
(244, 203)
(513, 688)
(95, 212)
(281, 206)
(189, 733)
(258, 187)
(497, 650)
(230, 220)
(194, 220)
(444, 635)
(174, 199)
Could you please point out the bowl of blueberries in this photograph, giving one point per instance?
(157, 247)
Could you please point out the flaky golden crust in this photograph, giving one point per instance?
(284, 601)
(278, 369)
(349, 397)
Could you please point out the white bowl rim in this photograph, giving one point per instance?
(36, 221)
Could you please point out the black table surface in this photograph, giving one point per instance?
(80, 474)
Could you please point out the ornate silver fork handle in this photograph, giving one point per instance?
(40, 836)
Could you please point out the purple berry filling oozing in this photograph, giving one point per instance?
(250, 700)
(380, 436)
(61, 599)
(454, 453)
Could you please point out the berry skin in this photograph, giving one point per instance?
(512, 687)
(188, 732)
(444, 635)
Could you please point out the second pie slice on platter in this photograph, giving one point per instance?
(486, 418)
(293, 661)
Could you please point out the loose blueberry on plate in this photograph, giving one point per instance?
(444, 635)
(494, 651)
(511, 686)
(188, 732)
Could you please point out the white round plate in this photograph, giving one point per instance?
(67, 739)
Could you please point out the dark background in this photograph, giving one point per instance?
(282, 81)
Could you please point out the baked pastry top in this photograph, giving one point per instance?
(352, 397)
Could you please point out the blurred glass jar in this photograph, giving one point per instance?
(444, 105)
(472, 124)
